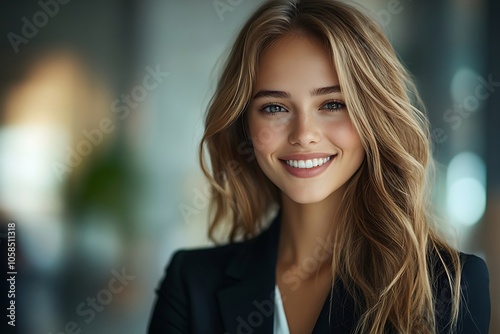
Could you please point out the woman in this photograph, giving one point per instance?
(314, 113)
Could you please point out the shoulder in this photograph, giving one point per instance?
(474, 269)
(476, 308)
(188, 288)
(474, 311)
(207, 260)
(187, 297)
(236, 257)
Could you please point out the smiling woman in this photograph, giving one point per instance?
(341, 145)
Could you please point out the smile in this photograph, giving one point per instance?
(309, 167)
(306, 164)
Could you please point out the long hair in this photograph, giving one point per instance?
(385, 249)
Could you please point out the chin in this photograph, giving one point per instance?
(306, 197)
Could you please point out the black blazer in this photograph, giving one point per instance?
(230, 290)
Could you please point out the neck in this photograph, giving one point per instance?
(307, 231)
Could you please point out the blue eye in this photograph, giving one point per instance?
(334, 106)
(273, 108)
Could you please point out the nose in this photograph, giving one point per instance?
(305, 130)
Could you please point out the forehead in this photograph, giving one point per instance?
(293, 59)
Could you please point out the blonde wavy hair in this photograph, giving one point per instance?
(385, 251)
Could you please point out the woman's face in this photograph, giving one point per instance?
(302, 135)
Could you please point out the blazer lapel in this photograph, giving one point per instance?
(342, 318)
(322, 324)
(248, 305)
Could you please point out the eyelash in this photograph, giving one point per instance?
(341, 106)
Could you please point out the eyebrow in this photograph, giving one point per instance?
(285, 95)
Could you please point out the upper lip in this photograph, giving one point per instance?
(305, 156)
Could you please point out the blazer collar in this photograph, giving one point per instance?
(247, 306)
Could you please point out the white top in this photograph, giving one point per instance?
(280, 323)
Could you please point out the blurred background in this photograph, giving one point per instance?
(101, 112)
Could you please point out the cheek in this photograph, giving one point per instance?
(262, 138)
(345, 136)
(265, 135)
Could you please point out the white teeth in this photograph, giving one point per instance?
(307, 163)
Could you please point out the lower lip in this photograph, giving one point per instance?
(308, 172)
